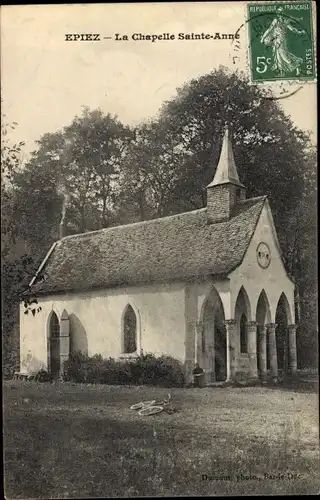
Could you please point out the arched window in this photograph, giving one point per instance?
(129, 331)
(243, 334)
(54, 346)
(54, 326)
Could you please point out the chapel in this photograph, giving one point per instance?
(207, 286)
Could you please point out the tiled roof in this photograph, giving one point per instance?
(177, 247)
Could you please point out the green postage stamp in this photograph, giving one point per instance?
(280, 40)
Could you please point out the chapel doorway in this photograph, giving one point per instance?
(220, 347)
(54, 346)
(214, 353)
(263, 317)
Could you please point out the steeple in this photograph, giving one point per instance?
(225, 189)
(226, 169)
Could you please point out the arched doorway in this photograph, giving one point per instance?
(129, 330)
(282, 321)
(54, 346)
(263, 317)
(242, 315)
(213, 346)
(243, 334)
(220, 346)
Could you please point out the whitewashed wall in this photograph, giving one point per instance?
(96, 322)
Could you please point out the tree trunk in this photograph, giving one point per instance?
(104, 212)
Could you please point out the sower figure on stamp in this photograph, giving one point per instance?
(275, 36)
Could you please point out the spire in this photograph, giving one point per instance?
(226, 170)
(226, 190)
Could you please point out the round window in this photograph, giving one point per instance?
(263, 255)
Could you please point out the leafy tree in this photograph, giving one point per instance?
(73, 171)
(11, 163)
(94, 147)
(268, 148)
(300, 242)
(12, 266)
(148, 174)
(37, 203)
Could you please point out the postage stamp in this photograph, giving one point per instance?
(281, 45)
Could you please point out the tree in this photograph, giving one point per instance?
(300, 242)
(12, 263)
(74, 170)
(148, 174)
(94, 147)
(11, 163)
(267, 146)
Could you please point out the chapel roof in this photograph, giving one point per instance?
(177, 247)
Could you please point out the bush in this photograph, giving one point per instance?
(164, 371)
(75, 368)
(146, 369)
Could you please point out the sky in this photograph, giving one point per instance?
(45, 80)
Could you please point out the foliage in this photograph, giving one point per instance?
(11, 162)
(150, 172)
(263, 136)
(73, 174)
(12, 275)
(11, 154)
(145, 369)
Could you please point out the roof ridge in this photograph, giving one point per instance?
(255, 198)
(150, 221)
(142, 222)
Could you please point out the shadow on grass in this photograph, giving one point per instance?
(298, 383)
(295, 386)
(59, 456)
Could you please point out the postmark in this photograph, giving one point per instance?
(281, 44)
(280, 90)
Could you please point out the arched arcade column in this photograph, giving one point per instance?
(292, 349)
(262, 351)
(252, 348)
(263, 318)
(271, 332)
(64, 340)
(230, 325)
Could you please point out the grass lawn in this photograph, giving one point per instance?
(78, 441)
